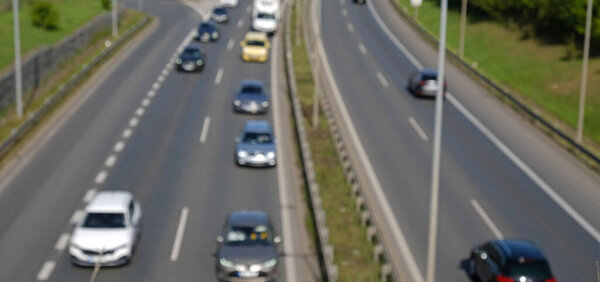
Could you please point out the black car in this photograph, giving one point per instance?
(207, 31)
(191, 59)
(509, 261)
(251, 97)
(424, 83)
(247, 248)
(219, 14)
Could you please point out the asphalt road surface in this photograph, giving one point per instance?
(167, 137)
(500, 176)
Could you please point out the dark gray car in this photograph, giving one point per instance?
(247, 248)
(255, 146)
(251, 97)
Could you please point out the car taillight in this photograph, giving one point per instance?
(550, 280)
(502, 278)
(422, 82)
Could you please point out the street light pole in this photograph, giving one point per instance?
(140, 4)
(115, 20)
(437, 137)
(463, 27)
(18, 79)
(586, 56)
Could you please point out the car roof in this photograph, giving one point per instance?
(109, 201)
(255, 35)
(515, 249)
(207, 22)
(248, 218)
(255, 82)
(257, 126)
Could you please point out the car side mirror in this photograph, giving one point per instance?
(268, 45)
(220, 239)
(237, 139)
(275, 140)
(243, 43)
(277, 240)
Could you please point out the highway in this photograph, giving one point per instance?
(167, 137)
(500, 176)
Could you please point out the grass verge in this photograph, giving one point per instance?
(73, 14)
(535, 70)
(353, 253)
(8, 118)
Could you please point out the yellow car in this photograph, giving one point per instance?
(255, 47)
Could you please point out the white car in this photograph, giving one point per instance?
(108, 232)
(228, 3)
(264, 22)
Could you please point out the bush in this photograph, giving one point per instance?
(106, 4)
(44, 15)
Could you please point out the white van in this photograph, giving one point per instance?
(265, 15)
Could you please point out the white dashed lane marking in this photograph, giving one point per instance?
(89, 195)
(350, 27)
(219, 76)
(77, 216)
(46, 270)
(362, 48)
(487, 219)
(101, 177)
(240, 23)
(179, 234)
(133, 122)
(230, 44)
(204, 132)
(119, 146)
(140, 112)
(146, 102)
(110, 161)
(382, 79)
(418, 128)
(62, 242)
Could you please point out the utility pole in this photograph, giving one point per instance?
(317, 81)
(18, 79)
(115, 19)
(463, 27)
(586, 57)
(437, 137)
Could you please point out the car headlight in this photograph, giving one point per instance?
(196, 33)
(242, 154)
(199, 62)
(255, 268)
(270, 155)
(270, 263)
(178, 61)
(226, 263)
(237, 103)
(215, 35)
(265, 104)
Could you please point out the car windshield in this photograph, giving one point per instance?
(219, 11)
(191, 53)
(265, 16)
(205, 25)
(251, 89)
(248, 235)
(537, 269)
(255, 43)
(429, 77)
(104, 220)
(257, 138)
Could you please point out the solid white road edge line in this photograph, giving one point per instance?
(179, 234)
(204, 132)
(62, 242)
(490, 224)
(527, 170)
(518, 162)
(89, 195)
(46, 270)
(390, 218)
(219, 76)
(282, 183)
(418, 129)
(382, 79)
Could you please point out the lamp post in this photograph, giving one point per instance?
(586, 56)
(18, 79)
(463, 27)
(115, 20)
(437, 137)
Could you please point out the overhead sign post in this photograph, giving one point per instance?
(416, 4)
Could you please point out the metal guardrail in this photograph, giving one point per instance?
(512, 98)
(50, 102)
(367, 213)
(326, 252)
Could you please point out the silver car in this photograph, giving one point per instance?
(424, 83)
(247, 248)
(255, 146)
